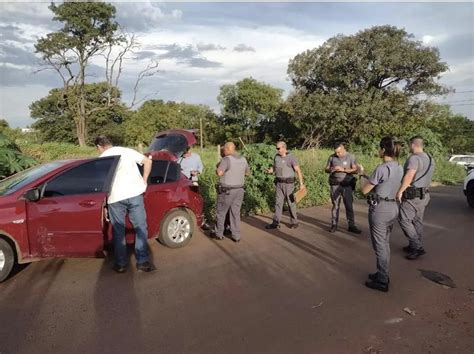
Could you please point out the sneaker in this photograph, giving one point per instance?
(354, 229)
(273, 225)
(376, 285)
(333, 228)
(145, 267)
(119, 268)
(414, 254)
(294, 226)
(375, 277)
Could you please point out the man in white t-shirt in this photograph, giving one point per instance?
(126, 197)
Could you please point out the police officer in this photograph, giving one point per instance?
(383, 186)
(341, 167)
(231, 170)
(284, 167)
(414, 196)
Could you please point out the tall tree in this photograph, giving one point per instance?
(156, 115)
(89, 31)
(54, 121)
(360, 86)
(247, 106)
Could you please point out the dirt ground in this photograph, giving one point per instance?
(283, 291)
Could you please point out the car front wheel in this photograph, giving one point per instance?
(176, 229)
(470, 194)
(7, 259)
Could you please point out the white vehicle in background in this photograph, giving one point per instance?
(463, 160)
(469, 187)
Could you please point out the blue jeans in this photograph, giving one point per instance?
(135, 208)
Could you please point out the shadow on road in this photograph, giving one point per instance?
(298, 242)
(28, 303)
(117, 313)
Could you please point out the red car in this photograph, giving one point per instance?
(57, 210)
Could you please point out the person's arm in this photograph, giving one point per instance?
(147, 163)
(410, 173)
(328, 168)
(200, 167)
(368, 183)
(406, 182)
(247, 171)
(300, 176)
(366, 187)
(222, 167)
(353, 168)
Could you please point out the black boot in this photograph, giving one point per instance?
(271, 226)
(376, 285)
(375, 277)
(333, 228)
(354, 229)
(415, 254)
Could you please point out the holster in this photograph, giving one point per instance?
(413, 192)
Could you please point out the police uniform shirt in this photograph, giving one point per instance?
(346, 161)
(283, 164)
(387, 178)
(420, 163)
(224, 165)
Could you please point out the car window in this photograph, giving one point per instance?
(163, 171)
(468, 159)
(89, 177)
(17, 181)
(174, 143)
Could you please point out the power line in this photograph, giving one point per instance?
(469, 100)
(452, 93)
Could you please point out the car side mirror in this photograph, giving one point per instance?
(33, 195)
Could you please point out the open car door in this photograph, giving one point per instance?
(67, 220)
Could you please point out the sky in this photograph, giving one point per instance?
(202, 46)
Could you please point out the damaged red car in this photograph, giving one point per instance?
(57, 209)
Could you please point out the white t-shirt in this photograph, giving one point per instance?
(128, 181)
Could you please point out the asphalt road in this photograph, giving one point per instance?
(285, 291)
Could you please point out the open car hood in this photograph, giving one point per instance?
(171, 144)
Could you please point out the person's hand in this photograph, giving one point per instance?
(399, 196)
(194, 173)
(269, 170)
(337, 169)
(106, 215)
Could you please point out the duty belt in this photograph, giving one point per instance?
(285, 180)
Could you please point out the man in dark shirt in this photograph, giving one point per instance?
(341, 167)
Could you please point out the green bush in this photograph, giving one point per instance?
(11, 158)
(58, 151)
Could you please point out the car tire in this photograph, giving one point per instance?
(7, 259)
(176, 229)
(470, 194)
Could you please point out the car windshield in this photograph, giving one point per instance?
(19, 180)
(174, 143)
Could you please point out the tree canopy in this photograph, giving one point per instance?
(359, 87)
(248, 106)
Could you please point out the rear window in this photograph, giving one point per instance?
(163, 171)
(174, 143)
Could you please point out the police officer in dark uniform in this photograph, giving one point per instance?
(284, 167)
(341, 167)
(231, 170)
(414, 196)
(383, 186)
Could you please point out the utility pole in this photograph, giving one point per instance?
(200, 130)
